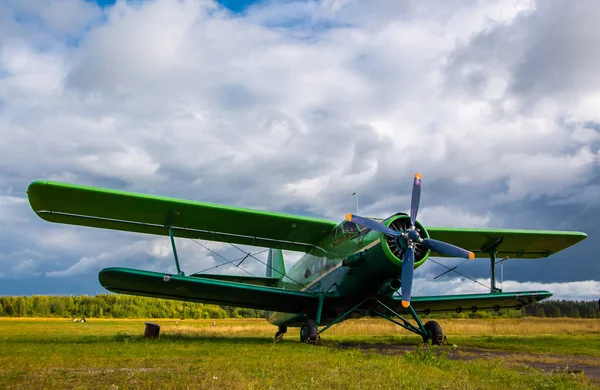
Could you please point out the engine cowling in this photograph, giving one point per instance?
(390, 245)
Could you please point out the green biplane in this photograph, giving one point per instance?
(349, 269)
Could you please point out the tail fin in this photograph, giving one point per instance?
(275, 264)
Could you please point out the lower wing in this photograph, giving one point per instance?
(472, 302)
(197, 289)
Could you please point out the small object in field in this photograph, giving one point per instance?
(152, 330)
(214, 323)
(176, 322)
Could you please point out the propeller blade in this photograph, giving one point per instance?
(408, 268)
(415, 199)
(373, 225)
(447, 249)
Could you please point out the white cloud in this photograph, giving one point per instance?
(294, 106)
(585, 290)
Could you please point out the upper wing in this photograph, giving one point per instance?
(525, 244)
(473, 302)
(128, 211)
(196, 289)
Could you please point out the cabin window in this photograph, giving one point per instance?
(350, 227)
(345, 228)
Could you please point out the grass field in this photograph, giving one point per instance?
(52, 353)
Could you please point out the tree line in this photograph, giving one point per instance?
(115, 306)
(127, 306)
(548, 308)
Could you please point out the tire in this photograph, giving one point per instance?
(435, 333)
(309, 332)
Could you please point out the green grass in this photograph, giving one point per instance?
(580, 345)
(583, 345)
(240, 354)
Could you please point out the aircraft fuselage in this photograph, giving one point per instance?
(330, 268)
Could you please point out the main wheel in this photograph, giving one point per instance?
(435, 333)
(309, 332)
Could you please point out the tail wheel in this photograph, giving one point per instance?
(280, 332)
(309, 332)
(435, 333)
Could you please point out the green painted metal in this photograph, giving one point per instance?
(195, 289)
(256, 280)
(128, 211)
(420, 330)
(179, 272)
(343, 316)
(318, 286)
(424, 234)
(168, 224)
(485, 301)
(417, 319)
(493, 287)
(406, 325)
(522, 244)
(320, 309)
(275, 264)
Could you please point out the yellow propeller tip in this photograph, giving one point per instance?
(471, 255)
(349, 217)
(405, 304)
(418, 176)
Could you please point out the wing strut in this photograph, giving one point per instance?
(168, 224)
(492, 249)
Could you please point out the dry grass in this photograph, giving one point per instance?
(374, 328)
(258, 327)
(240, 354)
(473, 327)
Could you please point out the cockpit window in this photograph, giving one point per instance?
(350, 227)
(345, 228)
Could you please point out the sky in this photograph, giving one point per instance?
(292, 106)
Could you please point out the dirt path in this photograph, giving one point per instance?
(590, 366)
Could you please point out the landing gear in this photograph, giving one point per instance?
(309, 332)
(434, 331)
(280, 332)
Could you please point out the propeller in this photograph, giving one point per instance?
(411, 237)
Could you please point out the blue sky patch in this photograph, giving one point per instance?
(236, 6)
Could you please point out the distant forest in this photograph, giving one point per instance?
(125, 306)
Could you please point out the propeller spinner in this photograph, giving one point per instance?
(411, 237)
